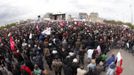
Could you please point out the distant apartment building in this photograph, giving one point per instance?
(83, 16)
(55, 16)
(47, 16)
(94, 17)
(69, 18)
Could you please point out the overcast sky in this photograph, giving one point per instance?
(15, 10)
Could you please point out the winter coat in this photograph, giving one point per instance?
(26, 69)
(99, 69)
(74, 67)
(81, 71)
(67, 70)
(57, 65)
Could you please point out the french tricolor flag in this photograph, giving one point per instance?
(119, 59)
(98, 49)
(119, 68)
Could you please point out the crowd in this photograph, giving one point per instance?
(74, 48)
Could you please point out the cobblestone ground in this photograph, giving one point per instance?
(128, 63)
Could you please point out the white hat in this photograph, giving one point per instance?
(24, 44)
(39, 48)
(101, 63)
(50, 44)
(68, 56)
(75, 60)
(35, 45)
(54, 52)
(18, 40)
(24, 39)
(29, 45)
(17, 51)
(71, 53)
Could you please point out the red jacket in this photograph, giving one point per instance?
(27, 69)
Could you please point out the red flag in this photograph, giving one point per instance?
(12, 44)
(98, 49)
(79, 23)
(37, 27)
(0, 39)
(119, 70)
(62, 24)
(27, 69)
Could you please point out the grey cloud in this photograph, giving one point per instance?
(110, 9)
(9, 13)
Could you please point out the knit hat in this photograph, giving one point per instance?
(71, 53)
(101, 63)
(68, 56)
(75, 60)
(54, 52)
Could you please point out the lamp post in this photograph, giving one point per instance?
(38, 17)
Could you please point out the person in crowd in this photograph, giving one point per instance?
(81, 71)
(67, 69)
(110, 60)
(92, 65)
(25, 70)
(57, 66)
(37, 70)
(99, 68)
(111, 69)
(63, 46)
(74, 66)
(45, 72)
(47, 54)
(91, 68)
(89, 54)
(81, 55)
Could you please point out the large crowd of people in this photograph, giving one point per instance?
(74, 48)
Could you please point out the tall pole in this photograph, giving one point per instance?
(38, 17)
(131, 11)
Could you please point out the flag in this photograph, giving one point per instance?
(75, 22)
(127, 45)
(119, 59)
(27, 69)
(62, 24)
(12, 44)
(98, 49)
(89, 53)
(79, 23)
(37, 27)
(119, 70)
(47, 31)
(0, 39)
(30, 36)
(9, 34)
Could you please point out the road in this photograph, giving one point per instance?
(128, 62)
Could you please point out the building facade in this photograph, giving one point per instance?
(83, 16)
(94, 17)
